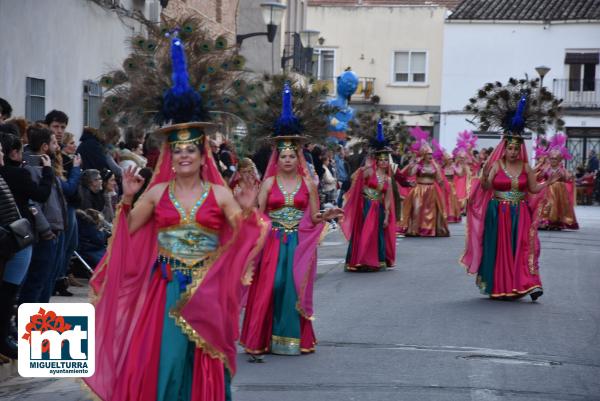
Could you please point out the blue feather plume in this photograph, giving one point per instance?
(380, 137)
(517, 123)
(287, 123)
(379, 142)
(181, 103)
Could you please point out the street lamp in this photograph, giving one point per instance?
(308, 38)
(272, 13)
(542, 70)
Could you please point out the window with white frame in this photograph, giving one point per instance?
(35, 99)
(410, 67)
(92, 101)
(324, 67)
(582, 71)
(324, 64)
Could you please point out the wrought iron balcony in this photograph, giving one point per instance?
(578, 93)
(365, 90)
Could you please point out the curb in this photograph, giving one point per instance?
(8, 370)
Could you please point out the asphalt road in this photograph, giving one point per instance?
(423, 332)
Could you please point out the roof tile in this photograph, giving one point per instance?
(523, 10)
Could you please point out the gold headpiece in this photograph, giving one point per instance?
(286, 145)
(513, 139)
(193, 132)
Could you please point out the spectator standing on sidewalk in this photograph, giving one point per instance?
(51, 221)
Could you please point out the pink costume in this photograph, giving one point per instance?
(371, 246)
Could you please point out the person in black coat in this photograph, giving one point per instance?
(91, 150)
(90, 190)
(14, 263)
(19, 179)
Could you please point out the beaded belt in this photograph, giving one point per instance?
(510, 196)
(372, 194)
(171, 266)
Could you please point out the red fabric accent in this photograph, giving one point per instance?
(208, 215)
(511, 274)
(460, 184)
(208, 378)
(363, 230)
(502, 182)
(276, 199)
(141, 364)
(308, 340)
(258, 321)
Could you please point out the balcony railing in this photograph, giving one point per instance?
(578, 93)
(364, 91)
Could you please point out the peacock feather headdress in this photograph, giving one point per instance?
(379, 144)
(207, 79)
(288, 109)
(519, 106)
(394, 128)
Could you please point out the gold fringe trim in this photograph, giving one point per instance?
(516, 292)
(255, 352)
(197, 279)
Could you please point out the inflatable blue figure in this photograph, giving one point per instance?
(347, 83)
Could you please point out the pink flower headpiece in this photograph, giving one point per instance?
(438, 151)
(541, 147)
(465, 142)
(420, 145)
(558, 146)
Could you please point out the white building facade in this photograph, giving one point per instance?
(477, 51)
(54, 53)
(396, 49)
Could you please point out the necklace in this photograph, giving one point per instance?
(514, 180)
(185, 217)
(289, 197)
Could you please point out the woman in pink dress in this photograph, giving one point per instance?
(279, 311)
(369, 223)
(453, 209)
(502, 246)
(167, 293)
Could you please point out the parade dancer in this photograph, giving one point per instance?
(279, 310)
(168, 292)
(369, 216)
(246, 179)
(423, 210)
(464, 162)
(559, 211)
(453, 209)
(502, 247)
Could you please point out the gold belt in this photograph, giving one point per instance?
(372, 194)
(510, 196)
